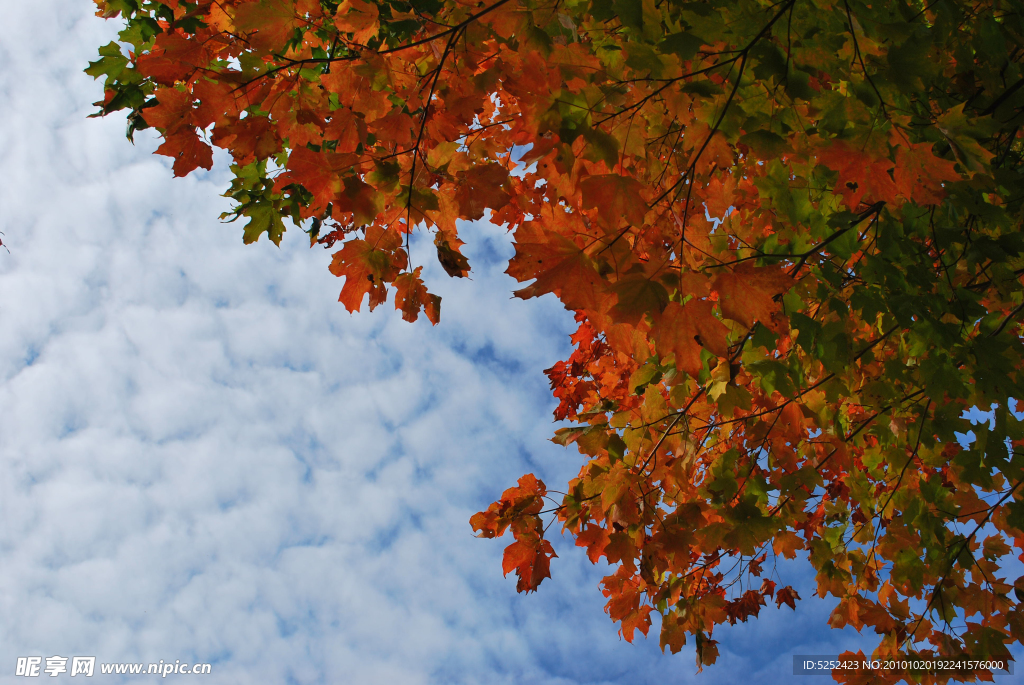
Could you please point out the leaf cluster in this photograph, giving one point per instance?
(790, 233)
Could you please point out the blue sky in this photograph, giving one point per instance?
(204, 457)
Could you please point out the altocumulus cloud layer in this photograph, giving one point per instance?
(203, 457)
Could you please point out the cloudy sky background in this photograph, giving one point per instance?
(203, 457)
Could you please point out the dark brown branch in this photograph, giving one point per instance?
(416, 147)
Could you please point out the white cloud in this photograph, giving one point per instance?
(204, 457)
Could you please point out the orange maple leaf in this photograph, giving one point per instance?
(481, 188)
(367, 265)
(673, 633)
(172, 113)
(173, 58)
(268, 24)
(719, 196)
(452, 261)
(320, 174)
(359, 198)
(860, 174)
(398, 127)
(683, 329)
(638, 295)
(188, 151)
(595, 539)
(615, 198)
(707, 651)
(559, 265)
(358, 18)
(531, 560)
(254, 137)
(349, 131)
(411, 296)
(522, 500)
(218, 102)
(747, 294)
(637, 620)
(919, 173)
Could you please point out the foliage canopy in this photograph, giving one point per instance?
(790, 232)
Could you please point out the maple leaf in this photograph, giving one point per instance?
(480, 188)
(638, 295)
(188, 150)
(523, 500)
(267, 24)
(960, 133)
(358, 18)
(411, 297)
(787, 596)
(860, 175)
(321, 174)
(683, 330)
(531, 560)
(986, 641)
(623, 592)
(673, 633)
(919, 174)
(717, 153)
(595, 539)
(367, 265)
(558, 265)
(348, 131)
(637, 620)
(418, 202)
(263, 218)
(615, 198)
(718, 198)
(359, 198)
(452, 261)
(248, 139)
(747, 605)
(788, 543)
(748, 293)
(218, 102)
(707, 651)
(172, 112)
(172, 58)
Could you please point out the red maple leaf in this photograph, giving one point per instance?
(787, 596)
